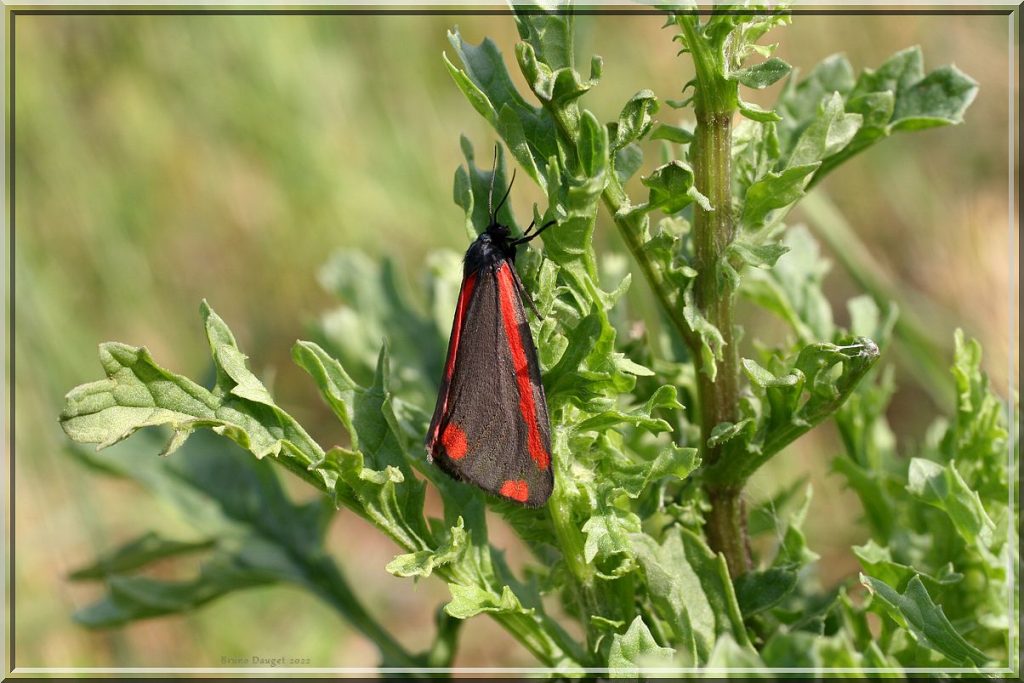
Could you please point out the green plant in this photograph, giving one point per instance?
(646, 539)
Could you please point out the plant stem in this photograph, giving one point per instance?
(711, 156)
(570, 541)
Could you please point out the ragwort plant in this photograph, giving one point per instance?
(646, 539)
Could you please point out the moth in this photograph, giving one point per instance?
(490, 425)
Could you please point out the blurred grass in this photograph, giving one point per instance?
(164, 159)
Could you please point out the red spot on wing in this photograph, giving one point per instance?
(454, 441)
(516, 489)
(527, 407)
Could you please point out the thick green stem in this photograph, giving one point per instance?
(713, 232)
(719, 397)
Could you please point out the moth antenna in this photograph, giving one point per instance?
(490, 191)
(502, 202)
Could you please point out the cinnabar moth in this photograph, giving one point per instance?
(490, 424)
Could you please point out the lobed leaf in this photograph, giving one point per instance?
(914, 610)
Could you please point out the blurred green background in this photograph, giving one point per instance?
(165, 159)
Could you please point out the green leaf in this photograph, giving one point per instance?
(757, 113)
(877, 561)
(377, 305)
(628, 161)
(762, 75)
(469, 600)
(757, 255)
(829, 133)
(799, 103)
(775, 191)
(549, 33)
(914, 610)
(671, 187)
(789, 403)
(793, 550)
(897, 96)
(676, 134)
(762, 590)
(592, 148)
(977, 438)
(607, 535)
(138, 393)
(260, 537)
(486, 83)
(636, 648)
(642, 417)
(135, 597)
(944, 488)
(635, 120)
(423, 562)
(634, 478)
(691, 591)
(137, 553)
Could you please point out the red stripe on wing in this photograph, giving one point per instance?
(508, 297)
(465, 296)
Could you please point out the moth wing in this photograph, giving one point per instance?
(491, 425)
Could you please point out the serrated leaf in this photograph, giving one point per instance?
(641, 417)
(897, 96)
(634, 477)
(422, 563)
(914, 610)
(636, 648)
(138, 393)
(470, 600)
(485, 81)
